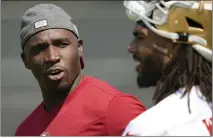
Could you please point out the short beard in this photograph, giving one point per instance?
(151, 71)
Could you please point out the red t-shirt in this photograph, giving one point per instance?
(94, 108)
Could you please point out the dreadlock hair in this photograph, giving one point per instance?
(186, 69)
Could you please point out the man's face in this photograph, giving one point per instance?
(53, 56)
(148, 49)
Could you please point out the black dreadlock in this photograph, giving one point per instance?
(186, 69)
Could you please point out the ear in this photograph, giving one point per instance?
(24, 60)
(80, 47)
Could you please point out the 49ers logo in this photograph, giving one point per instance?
(208, 124)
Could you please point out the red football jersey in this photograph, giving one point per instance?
(94, 108)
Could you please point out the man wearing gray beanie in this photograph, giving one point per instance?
(73, 104)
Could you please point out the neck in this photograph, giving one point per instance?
(53, 99)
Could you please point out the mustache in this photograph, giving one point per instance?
(136, 57)
(154, 58)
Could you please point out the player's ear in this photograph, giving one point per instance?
(80, 47)
(23, 57)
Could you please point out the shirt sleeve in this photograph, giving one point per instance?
(121, 110)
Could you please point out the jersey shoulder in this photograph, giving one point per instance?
(26, 124)
(170, 116)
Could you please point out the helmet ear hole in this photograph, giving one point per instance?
(193, 23)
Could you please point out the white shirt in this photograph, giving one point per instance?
(171, 117)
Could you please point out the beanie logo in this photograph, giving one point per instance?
(41, 24)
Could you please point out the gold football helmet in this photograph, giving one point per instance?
(181, 21)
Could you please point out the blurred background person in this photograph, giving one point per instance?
(103, 22)
(173, 45)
